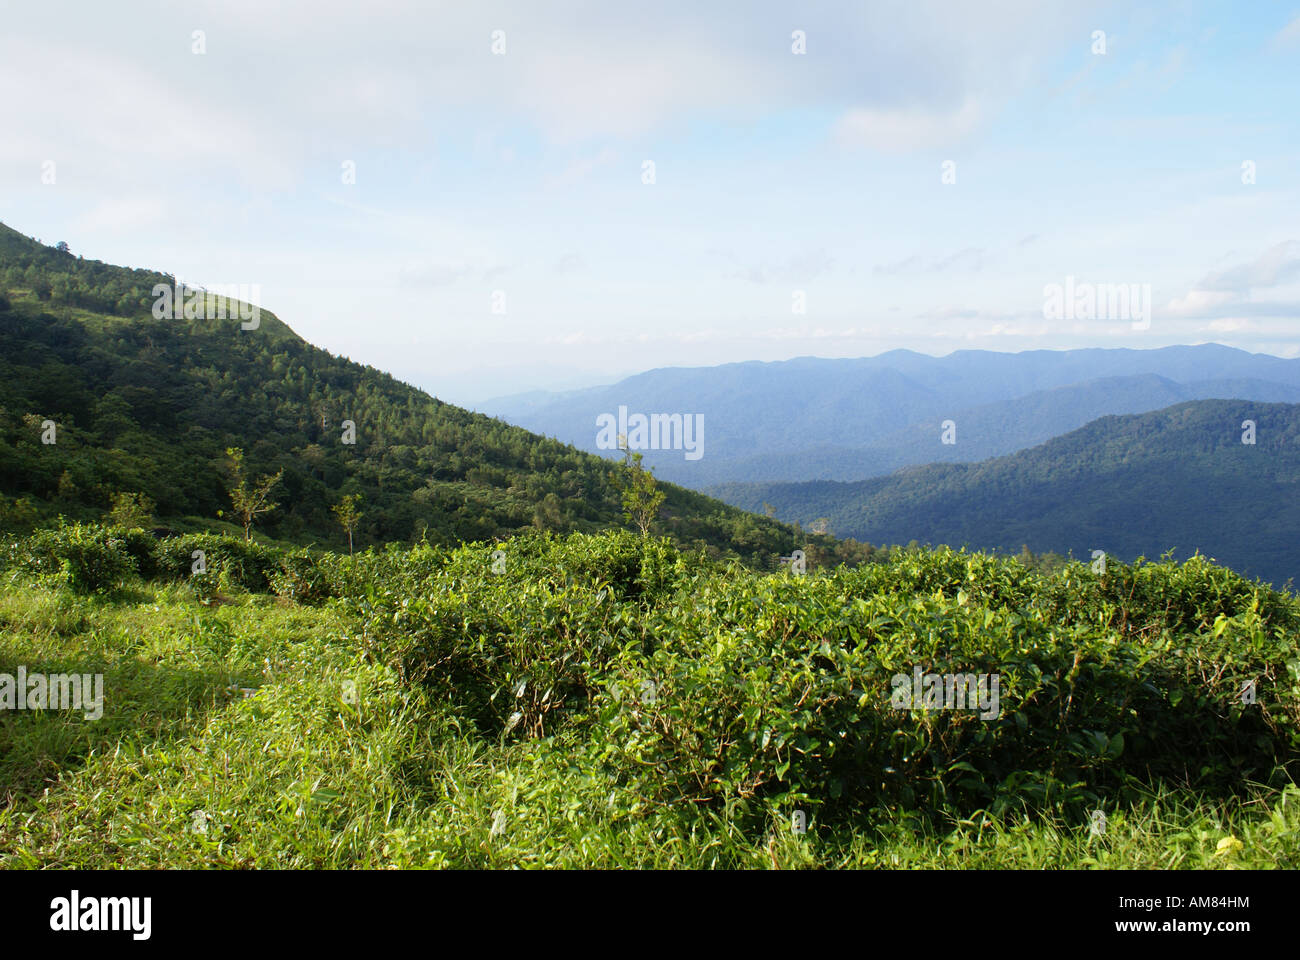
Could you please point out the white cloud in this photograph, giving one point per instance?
(582, 167)
(1229, 325)
(121, 214)
(970, 258)
(1228, 296)
(568, 263)
(106, 121)
(1275, 265)
(1197, 303)
(894, 130)
(1288, 36)
(801, 267)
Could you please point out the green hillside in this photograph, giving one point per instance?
(146, 405)
(1175, 479)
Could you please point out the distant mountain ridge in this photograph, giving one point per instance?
(813, 419)
(1174, 479)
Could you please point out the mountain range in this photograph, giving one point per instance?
(825, 419)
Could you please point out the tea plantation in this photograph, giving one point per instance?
(610, 701)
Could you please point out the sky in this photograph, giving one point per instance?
(485, 198)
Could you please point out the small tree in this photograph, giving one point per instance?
(18, 515)
(548, 513)
(348, 515)
(249, 504)
(642, 497)
(131, 510)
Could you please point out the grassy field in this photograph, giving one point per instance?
(400, 722)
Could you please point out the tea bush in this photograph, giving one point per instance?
(776, 689)
(306, 577)
(609, 701)
(517, 635)
(249, 566)
(142, 547)
(88, 558)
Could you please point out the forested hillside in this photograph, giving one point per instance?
(1177, 479)
(150, 406)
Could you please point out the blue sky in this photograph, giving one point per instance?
(775, 172)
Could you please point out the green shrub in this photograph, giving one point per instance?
(88, 558)
(516, 637)
(142, 547)
(249, 566)
(609, 701)
(782, 686)
(204, 587)
(305, 577)
(777, 689)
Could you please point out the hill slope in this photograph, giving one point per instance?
(1178, 478)
(148, 405)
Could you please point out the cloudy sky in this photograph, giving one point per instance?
(500, 153)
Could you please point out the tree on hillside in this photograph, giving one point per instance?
(548, 514)
(348, 515)
(131, 510)
(249, 503)
(642, 497)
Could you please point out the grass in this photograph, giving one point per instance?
(334, 763)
